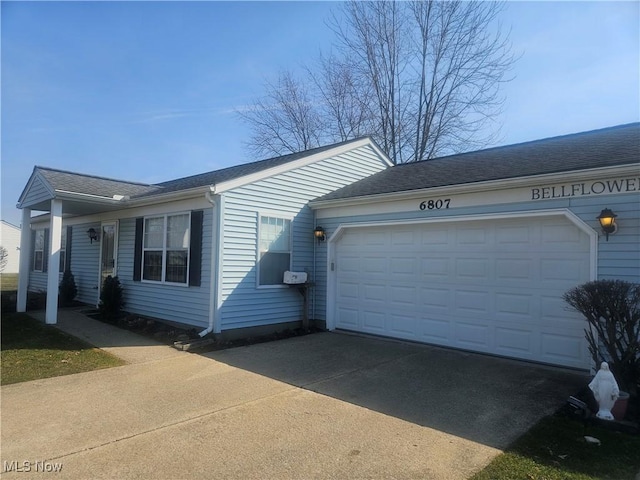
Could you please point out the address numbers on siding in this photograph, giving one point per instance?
(435, 204)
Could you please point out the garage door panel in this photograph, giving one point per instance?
(514, 342)
(472, 268)
(491, 286)
(472, 302)
(374, 321)
(403, 325)
(472, 335)
(511, 306)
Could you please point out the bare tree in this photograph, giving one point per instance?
(422, 77)
(285, 120)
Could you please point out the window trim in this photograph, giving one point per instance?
(63, 251)
(282, 216)
(144, 249)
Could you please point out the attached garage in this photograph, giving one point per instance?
(489, 285)
(474, 251)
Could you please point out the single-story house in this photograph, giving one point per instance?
(469, 251)
(10, 241)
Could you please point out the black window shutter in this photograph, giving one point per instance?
(195, 259)
(137, 250)
(67, 255)
(45, 254)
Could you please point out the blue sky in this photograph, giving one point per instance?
(146, 91)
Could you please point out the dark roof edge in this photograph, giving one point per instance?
(530, 142)
(98, 177)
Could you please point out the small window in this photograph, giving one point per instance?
(63, 250)
(165, 249)
(274, 250)
(38, 251)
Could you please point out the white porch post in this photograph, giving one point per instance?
(25, 260)
(53, 277)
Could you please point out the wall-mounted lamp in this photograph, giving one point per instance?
(319, 234)
(93, 234)
(607, 221)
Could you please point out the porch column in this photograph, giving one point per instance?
(53, 276)
(25, 260)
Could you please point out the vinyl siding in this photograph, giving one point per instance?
(37, 193)
(618, 258)
(85, 259)
(286, 195)
(183, 304)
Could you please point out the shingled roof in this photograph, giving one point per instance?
(61, 180)
(65, 181)
(611, 146)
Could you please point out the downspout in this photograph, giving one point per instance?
(214, 249)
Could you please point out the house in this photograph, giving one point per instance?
(207, 250)
(10, 241)
(470, 251)
(474, 251)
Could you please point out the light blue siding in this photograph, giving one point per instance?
(285, 194)
(617, 258)
(184, 304)
(37, 193)
(85, 259)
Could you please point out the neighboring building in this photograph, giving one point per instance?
(470, 251)
(10, 240)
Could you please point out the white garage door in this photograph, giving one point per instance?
(488, 286)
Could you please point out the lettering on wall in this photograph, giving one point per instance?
(597, 187)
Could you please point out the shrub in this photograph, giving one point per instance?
(612, 310)
(111, 298)
(68, 290)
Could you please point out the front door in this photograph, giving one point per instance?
(109, 244)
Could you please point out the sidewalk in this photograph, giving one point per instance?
(130, 347)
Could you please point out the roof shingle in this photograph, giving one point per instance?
(611, 146)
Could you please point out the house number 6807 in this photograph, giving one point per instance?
(435, 204)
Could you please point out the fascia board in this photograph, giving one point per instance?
(301, 162)
(632, 169)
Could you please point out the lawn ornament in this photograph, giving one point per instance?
(605, 390)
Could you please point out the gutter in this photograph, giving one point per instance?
(209, 195)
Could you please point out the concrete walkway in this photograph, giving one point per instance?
(321, 406)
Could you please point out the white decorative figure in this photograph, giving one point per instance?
(605, 390)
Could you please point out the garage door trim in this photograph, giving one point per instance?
(335, 237)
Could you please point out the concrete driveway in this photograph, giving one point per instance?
(327, 405)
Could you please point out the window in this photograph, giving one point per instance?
(38, 251)
(165, 248)
(63, 250)
(274, 249)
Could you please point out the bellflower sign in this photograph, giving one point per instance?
(598, 187)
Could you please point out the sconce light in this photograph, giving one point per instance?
(607, 221)
(319, 234)
(93, 234)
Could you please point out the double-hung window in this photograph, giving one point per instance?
(38, 251)
(165, 248)
(274, 249)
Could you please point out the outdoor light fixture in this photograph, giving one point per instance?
(319, 234)
(607, 221)
(93, 234)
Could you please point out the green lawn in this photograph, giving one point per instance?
(32, 350)
(8, 281)
(555, 449)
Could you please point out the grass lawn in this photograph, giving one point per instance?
(32, 350)
(8, 281)
(555, 449)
